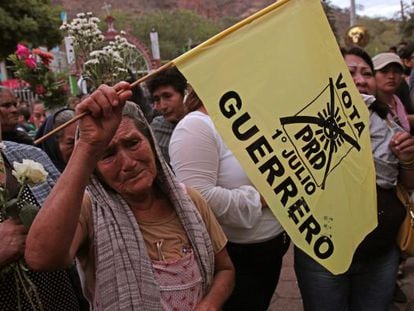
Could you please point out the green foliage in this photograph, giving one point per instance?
(407, 25)
(383, 34)
(176, 29)
(31, 21)
(329, 11)
(227, 21)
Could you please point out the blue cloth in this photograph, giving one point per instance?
(368, 285)
(18, 152)
(51, 145)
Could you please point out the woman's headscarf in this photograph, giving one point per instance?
(51, 145)
(124, 274)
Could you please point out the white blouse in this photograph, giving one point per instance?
(200, 159)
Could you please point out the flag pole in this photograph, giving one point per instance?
(181, 58)
(80, 116)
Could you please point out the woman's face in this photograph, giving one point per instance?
(361, 74)
(128, 164)
(66, 142)
(389, 78)
(39, 115)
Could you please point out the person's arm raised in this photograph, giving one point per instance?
(55, 234)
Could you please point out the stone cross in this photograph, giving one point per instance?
(107, 8)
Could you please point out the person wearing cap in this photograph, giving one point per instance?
(368, 284)
(388, 75)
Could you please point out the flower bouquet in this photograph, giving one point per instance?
(84, 30)
(110, 64)
(32, 67)
(102, 62)
(27, 173)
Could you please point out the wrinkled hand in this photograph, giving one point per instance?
(402, 145)
(13, 237)
(104, 107)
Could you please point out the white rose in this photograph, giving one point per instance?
(29, 171)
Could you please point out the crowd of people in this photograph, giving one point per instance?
(147, 209)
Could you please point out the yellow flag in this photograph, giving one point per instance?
(281, 96)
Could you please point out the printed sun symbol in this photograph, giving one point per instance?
(332, 129)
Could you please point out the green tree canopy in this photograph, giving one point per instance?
(33, 22)
(406, 17)
(177, 29)
(383, 34)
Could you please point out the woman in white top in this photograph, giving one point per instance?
(257, 241)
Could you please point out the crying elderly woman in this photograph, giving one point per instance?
(144, 242)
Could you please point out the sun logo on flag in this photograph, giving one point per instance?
(331, 128)
(323, 133)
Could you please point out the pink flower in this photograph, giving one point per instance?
(40, 89)
(22, 51)
(30, 62)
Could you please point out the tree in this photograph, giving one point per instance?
(383, 34)
(33, 22)
(330, 14)
(177, 29)
(406, 16)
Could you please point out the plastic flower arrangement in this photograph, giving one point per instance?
(32, 67)
(27, 173)
(102, 63)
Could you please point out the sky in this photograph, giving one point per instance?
(373, 8)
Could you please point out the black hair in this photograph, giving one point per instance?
(407, 51)
(377, 106)
(393, 49)
(24, 110)
(169, 77)
(51, 145)
(357, 51)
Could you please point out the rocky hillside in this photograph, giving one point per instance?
(214, 9)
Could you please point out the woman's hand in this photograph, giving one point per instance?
(223, 283)
(13, 237)
(402, 145)
(104, 108)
